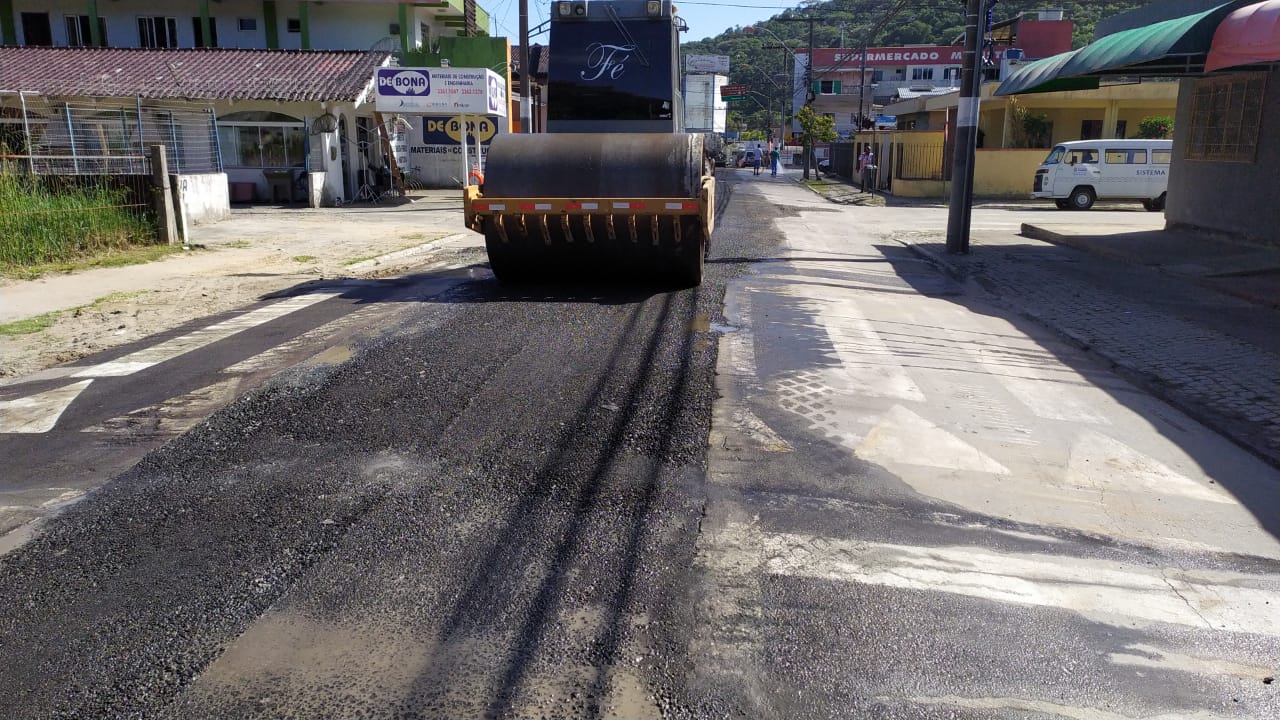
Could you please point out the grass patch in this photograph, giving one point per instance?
(304, 258)
(237, 244)
(51, 219)
(66, 223)
(30, 325)
(115, 297)
(136, 255)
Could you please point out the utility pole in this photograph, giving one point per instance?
(961, 207)
(786, 109)
(526, 116)
(808, 82)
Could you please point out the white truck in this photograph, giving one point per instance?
(1075, 174)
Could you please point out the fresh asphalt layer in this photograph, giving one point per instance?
(615, 502)
(490, 508)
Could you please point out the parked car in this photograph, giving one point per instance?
(1075, 174)
(748, 159)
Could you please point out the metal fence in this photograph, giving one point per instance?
(76, 176)
(105, 136)
(922, 162)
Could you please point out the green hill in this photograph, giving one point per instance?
(758, 61)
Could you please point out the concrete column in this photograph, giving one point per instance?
(206, 28)
(404, 27)
(271, 23)
(165, 219)
(95, 31)
(304, 19)
(8, 29)
(1110, 116)
(1006, 129)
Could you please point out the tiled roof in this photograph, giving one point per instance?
(207, 74)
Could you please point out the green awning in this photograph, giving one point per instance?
(1043, 76)
(1170, 48)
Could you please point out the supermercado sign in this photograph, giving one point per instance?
(471, 91)
(889, 56)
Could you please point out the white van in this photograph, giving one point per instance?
(1077, 173)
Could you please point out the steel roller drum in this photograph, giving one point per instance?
(586, 165)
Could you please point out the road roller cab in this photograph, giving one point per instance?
(614, 185)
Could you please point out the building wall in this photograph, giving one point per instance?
(202, 198)
(1043, 38)
(333, 25)
(1005, 173)
(1152, 13)
(1234, 198)
(337, 26)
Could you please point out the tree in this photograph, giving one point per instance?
(1030, 130)
(1157, 127)
(814, 128)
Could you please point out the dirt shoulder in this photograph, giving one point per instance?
(230, 264)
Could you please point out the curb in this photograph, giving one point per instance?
(1035, 232)
(1208, 282)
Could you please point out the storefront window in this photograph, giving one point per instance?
(262, 140)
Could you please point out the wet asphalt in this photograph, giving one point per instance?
(488, 512)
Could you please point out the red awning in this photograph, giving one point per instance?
(1248, 36)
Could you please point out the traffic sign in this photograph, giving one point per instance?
(733, 92)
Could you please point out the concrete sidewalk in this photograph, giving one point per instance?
(1246, 271)
(1192, 319)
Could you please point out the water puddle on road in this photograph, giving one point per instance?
(702, 323)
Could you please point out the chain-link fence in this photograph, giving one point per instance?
(76, 177)
(105, 136)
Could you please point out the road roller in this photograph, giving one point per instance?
(615, 185)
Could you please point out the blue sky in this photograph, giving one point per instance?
(706, 18)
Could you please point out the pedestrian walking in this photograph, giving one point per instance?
(864, 159)
(755, 163)
(773, 160)
(867, 169)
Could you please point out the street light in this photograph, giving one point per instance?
(782, 45)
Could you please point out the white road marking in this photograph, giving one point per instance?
(1147, 656)
(871, 366)
(1042, 707)
(1058, 400)
(903, 437)
(173, 416)
(38, 413)
(147, 357)
(53, 373)
(273, 357)
(1104, 463)
(1107, 591)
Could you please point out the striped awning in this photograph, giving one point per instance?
(1248, 36)
(1043, 76)
(1169, 48)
